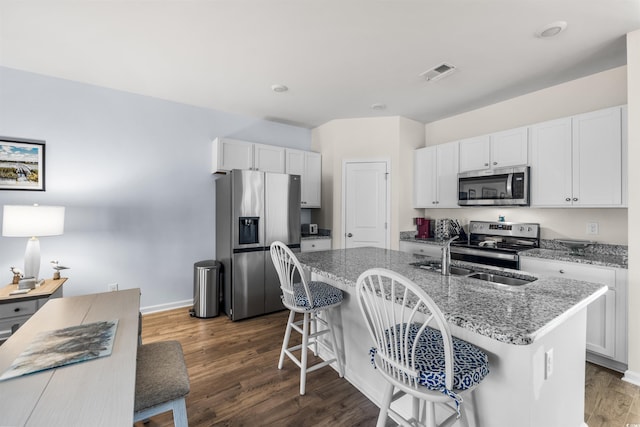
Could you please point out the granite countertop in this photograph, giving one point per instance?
(513, 315)
(603, 259)
(614, 256)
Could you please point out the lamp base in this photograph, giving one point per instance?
(32, 259)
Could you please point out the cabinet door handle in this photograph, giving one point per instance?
(349, 235)
(568, 199)
(561, 271)
(433, 202)
(495, 163)
(486, 164)
(575, 199)
(17, 309)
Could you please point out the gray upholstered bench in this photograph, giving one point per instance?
(162, 382)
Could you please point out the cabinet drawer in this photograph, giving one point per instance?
(18, 308)
(570, 270)
(421, 249)
(6, 325)
(315, 245)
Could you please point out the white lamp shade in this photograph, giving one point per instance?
(32, 221)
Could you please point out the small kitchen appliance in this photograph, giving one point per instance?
(496, 243)
(423, 226)
(309, 229)
(494, 187)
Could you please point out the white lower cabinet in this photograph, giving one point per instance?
(606, 317)
(421, 249)
(312, 245)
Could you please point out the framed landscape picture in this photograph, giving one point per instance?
(21, 164)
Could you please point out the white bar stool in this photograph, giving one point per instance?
(414, 357)
(310, 299)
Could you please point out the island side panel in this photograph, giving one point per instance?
(515, 389)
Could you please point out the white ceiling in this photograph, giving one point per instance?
(338, 57)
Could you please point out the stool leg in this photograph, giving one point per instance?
(287, 335)
(430, 420)
(415, 406)
(384, 405)
(305, 344)
(334, 344)
(180, 413)
(314, 329)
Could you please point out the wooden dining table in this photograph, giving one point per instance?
(97, 392)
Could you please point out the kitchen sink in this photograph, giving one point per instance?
(488, 275)
(459, 271)
(503, 280)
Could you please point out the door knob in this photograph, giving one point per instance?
(349, 235)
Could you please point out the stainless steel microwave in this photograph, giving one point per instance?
(494, 187)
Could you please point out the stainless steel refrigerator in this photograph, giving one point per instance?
(253, 210)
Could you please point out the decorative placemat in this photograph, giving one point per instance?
(52, 349)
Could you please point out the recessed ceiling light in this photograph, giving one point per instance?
(551, 30)
(279, 88)
(378, 106)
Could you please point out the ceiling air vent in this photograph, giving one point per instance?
(438, 72)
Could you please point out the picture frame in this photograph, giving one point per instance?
(489, 193)
(22, 164)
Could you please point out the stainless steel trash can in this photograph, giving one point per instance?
(206, 288)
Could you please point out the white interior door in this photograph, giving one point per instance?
(366, 204)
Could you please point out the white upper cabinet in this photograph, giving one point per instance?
(475, 153)
(231, 154)
(551, 175)
(435, 171)
(597, 158)
(308, 165)
(268, 158)
(509, 148)
(498, 150)
(578, 161)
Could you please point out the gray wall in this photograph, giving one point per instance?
(134, 175)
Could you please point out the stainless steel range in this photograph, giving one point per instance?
(496, 243)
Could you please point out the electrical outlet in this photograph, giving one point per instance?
(592, 228)
(113, 287)
(548, 364)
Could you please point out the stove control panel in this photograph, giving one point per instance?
(512, 229)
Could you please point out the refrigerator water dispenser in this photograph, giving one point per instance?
(248, 230)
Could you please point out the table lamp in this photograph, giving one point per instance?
(32, 221)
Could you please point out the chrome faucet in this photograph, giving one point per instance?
(446, 257)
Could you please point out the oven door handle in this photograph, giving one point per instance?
(510, 186)
(484, 253)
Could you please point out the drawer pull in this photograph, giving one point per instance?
(17, 309)
(561, 271)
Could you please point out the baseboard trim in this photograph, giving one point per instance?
(166, 307)
(631, 377)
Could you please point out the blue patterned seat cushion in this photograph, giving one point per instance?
(322, 294)
(470, 364)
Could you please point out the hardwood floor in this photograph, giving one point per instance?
(235, 380)
(609, 401)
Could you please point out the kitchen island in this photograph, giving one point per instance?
(534, 335)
